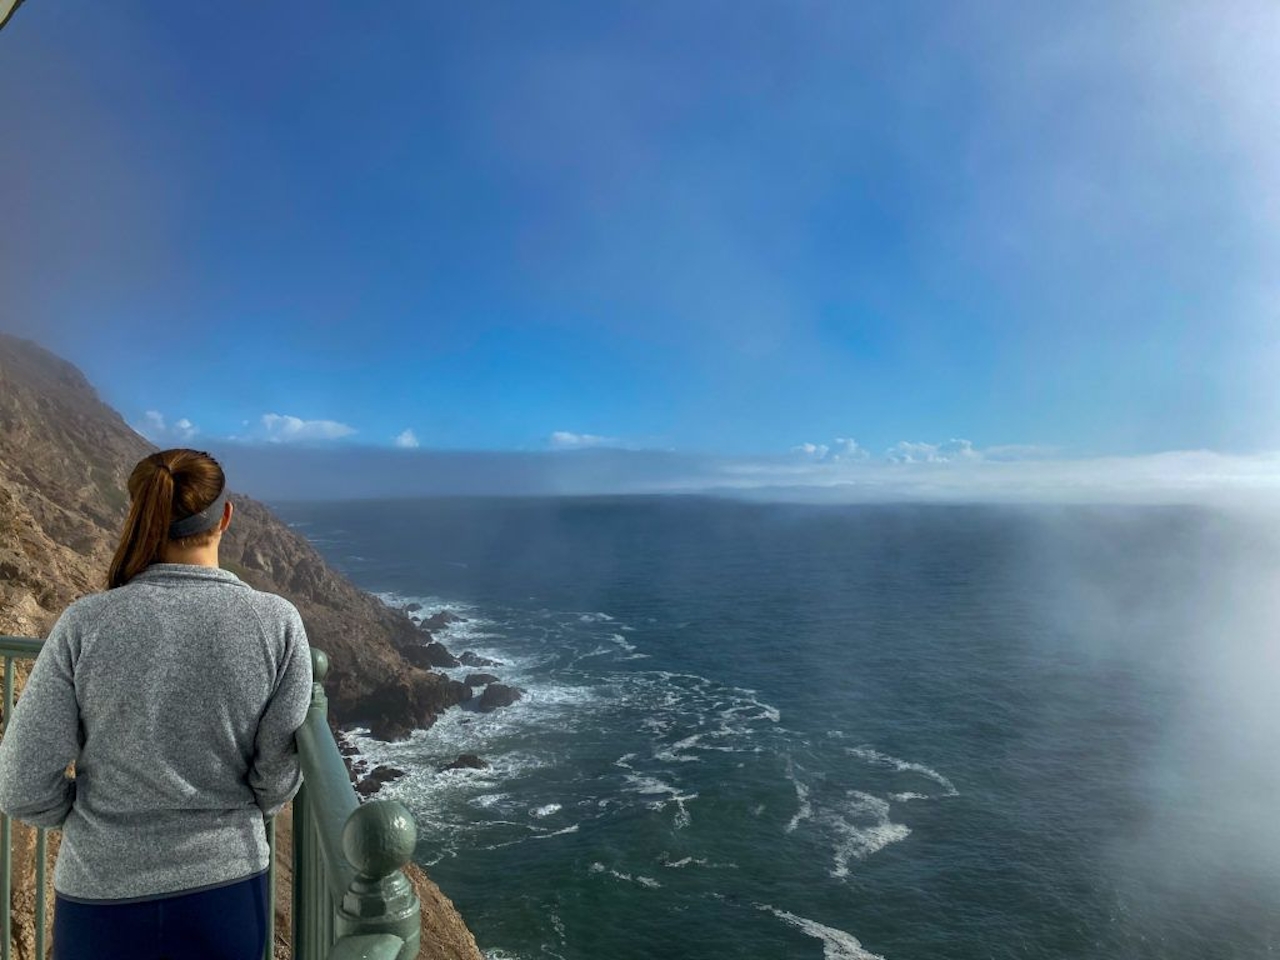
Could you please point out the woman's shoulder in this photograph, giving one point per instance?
(272, 606)
(86, 609)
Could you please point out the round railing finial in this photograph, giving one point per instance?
(319, 665)
(379, 838)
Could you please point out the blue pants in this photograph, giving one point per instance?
(225, 923)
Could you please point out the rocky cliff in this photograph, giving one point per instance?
(64, 459)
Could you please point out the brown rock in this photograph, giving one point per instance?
(439, 656)
(438, 621)
(466, 761)
(499, 695)
(480, 679)
(469, 659)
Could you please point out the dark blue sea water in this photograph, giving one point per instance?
(764, 731)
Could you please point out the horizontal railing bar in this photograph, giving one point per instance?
(20, 646)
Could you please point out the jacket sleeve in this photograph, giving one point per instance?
(275, 774)
(42, 737)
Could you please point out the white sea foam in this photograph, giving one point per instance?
(872, 755)
(649, 882)
(649, 785)
(621, 641)
(652, 789)
(545, 811)
(675, 752)
(666, 861)
(597, 652)
(700, 715)
(860, 829)
(683, 862)
(536, 833)
(836, 944)
(474, 625)
(658, 725)
(595, 618)
(904, 797)
(805, 809)
(559, 695)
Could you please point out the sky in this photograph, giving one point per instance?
(993, 250)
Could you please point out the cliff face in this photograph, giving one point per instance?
(65, 457)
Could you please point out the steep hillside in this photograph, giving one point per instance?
(64, 459)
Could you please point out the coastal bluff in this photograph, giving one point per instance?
(65, 457)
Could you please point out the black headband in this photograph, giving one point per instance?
(206, 519)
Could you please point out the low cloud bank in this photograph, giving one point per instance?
(287, 471)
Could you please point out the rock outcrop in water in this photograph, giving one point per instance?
(465, 761)
(498, 695)
(65, 457)
(469, 659)
(438, 621)
(439, 656)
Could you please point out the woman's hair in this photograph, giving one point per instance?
(163, 487)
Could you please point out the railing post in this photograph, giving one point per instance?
(268, 949)
(6, 833)
(378, 841)
(307, 868)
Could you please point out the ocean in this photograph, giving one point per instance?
(770, 731)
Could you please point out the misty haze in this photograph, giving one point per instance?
(772, 482)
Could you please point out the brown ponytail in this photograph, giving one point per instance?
(163, 487)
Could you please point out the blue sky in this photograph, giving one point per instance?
(733, 232)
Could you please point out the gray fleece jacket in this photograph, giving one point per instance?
(177, 695)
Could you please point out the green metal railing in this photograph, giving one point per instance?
(351, 900)
(350, 897)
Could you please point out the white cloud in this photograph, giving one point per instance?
(156, 429)
(842, 448)
(407, 440)
(846, 448)
(564, 440)
(906, 451)
(282, 428)
(815, 450)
